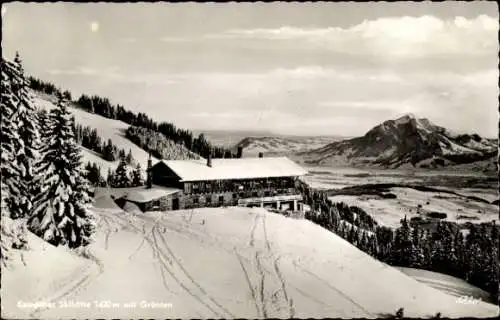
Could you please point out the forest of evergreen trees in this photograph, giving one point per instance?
(90, 139)
(43, 184)
(126, 175)
(445, 249)
(159, 146)
(103, 107)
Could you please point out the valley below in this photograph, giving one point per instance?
(391, 194)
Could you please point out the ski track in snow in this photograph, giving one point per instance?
(73, 286)
(326, 283)
(257, 291)
(166, 258)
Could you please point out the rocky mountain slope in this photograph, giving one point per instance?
(406, 141)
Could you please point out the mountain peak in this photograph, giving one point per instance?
(408, 139)
(407, 117)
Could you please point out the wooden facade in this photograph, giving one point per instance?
(280, 193)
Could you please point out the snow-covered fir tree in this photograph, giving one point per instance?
(25, 121)
(129, 158)
(13, 232)
(61, 216)
(10, 172)
(43, 120)
(137, 178)
(121, 178)
(109, 177)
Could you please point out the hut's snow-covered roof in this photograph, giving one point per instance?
(235, 168)
(143, 194)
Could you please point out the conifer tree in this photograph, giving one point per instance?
(129, 159)
(10, 172)
(402, 248)
(43, 120)
(27, 146)
(109, 177)
(61, 216)
(137, 178)
(417, 254)
(121, 178)
(108, 152)
(122, 155)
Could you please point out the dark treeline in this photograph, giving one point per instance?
(90, 139)
(125, 175)
(93, 175)
(198, 145)
(103, 107)
(157, 144)
(48, 88)
(471, 256)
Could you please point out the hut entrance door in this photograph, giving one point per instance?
(175, 204)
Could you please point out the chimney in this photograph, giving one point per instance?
(240, 152)
(149, 182)
(209, 160)
(261, 155)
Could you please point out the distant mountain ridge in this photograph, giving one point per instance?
(406, 140)
(282, 145)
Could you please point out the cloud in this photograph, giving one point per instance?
(129, 39)
(394, 36)
(114, 74)
(308, 99)
(84, 71)
(175, 39)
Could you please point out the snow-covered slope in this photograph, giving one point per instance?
(106, 128)
(406, 140)
(222, 263)
(40, 274)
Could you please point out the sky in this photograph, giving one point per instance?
(290, 68)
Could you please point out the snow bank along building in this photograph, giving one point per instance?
(185, 184)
